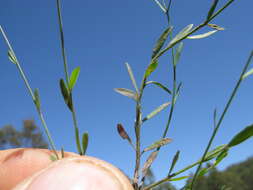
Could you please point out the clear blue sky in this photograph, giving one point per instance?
(100, 37)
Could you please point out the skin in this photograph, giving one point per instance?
(32, 169)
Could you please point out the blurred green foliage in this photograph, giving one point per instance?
(235, 177)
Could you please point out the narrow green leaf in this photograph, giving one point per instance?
(152, 66)
(37, 99)
(213, 153)
(160, 42)
(215, 26)
(199, 36)
(160, 5)
(126, 92)
(179, 178)
(203, 171)
(70, 103)
(64, 90)
(181, 34)
(85, 141)
(178, 53)
(159, 85)
(66, 95)
(73, 77)
(156, 111)
(212, 9)
(130, 72)
(177, 92)
(250, 72)
(12, 57)
(179, 87)
(174, 161)
(148, 163)
(241, 136)
(158, 144)
(221, 156)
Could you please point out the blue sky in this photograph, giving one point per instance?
(100, 37)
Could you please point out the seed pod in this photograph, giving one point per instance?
(122, 132)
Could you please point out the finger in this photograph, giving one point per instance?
(18, 164)
(82, 173)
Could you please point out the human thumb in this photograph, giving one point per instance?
(77, 173)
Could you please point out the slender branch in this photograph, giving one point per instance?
(79, 148)
(137, 127)
(173, 94)
(18, 64)
(78, 144)
(156, 183)
(31, 93)
(222, 117)
(221, 9)
(62, 42)
(174, 81)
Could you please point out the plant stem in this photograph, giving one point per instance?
(173, 95)
(222, 117)
(220, 10)
(156, 183)
(31, 93)
(62, 42)
(79, 148)
(167, 178)
(138, 123)
(78, 144)
(48, 134)
(174, 80)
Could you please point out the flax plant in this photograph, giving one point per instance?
(168, 42)
(175, 44)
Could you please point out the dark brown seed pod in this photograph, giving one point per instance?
(122, 131)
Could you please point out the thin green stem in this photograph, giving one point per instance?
(222, 117)
(172, 105)
(78, 144)
(167, 178)
(174, 81)
(173, 96)
(30, 92)
(220, 10)
(51, 142)
(174, 85)
(17, 64)
(62, 42)
(156, 183)
(138, 123)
